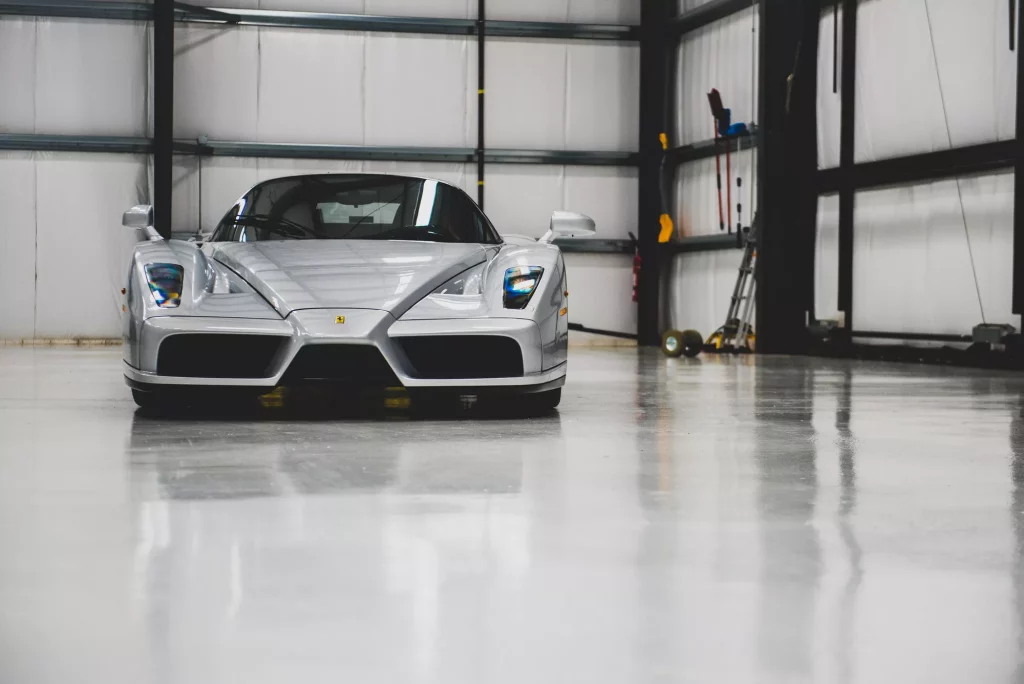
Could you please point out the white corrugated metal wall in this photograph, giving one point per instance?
(912, 255)
(722, 55)
(62, 251)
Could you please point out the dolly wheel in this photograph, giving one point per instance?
(672, 343)
(693, 342)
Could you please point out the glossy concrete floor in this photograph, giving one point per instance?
(717, 520)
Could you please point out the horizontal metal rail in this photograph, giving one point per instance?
(78, 9)
(594, 246)
(607, 333)
(75, 143)
(910, 337)
(706, 148)
(184, 12)
(916, 168)
(702, 243)
(222, 148)
(225, 148)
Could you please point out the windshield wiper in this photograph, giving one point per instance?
(276, 224)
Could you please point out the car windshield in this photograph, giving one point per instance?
(355, 207)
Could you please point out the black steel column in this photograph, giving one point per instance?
(848, 98)
(163, 113)
(787, 211)
(655, 52)
(1018, 179)
(481, 25)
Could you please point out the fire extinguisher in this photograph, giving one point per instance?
(636, 265)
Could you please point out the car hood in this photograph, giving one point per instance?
(388, 275)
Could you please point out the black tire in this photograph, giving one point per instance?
(672, 343)
(693, 343)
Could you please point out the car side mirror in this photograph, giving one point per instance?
(568, 224)
(140, 217)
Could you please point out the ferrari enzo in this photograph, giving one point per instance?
(352, 281)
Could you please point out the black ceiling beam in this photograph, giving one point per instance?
(917, 168)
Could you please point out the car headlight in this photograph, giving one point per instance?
(165, 282)
(520, 284)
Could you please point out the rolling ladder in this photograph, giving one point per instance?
(737, 334)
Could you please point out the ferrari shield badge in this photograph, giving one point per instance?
(339, 319)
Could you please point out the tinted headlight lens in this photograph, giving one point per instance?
(165, 283)
(520, 284)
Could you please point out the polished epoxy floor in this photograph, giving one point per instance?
(718, 520)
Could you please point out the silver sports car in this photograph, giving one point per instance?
(352, 281)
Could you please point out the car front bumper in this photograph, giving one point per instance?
(359, 327)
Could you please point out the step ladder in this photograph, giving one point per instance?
(737, 334)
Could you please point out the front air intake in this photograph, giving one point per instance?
(359, 365)
(439, 357)
(200, 355)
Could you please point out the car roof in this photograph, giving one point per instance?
(399, 176)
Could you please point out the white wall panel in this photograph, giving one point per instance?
(72, 77)
(527, 10)
(17, 245)
(607, 195)
(526, 94)
(702, 283)
(416, 90)
(829, 103)
(602, 102)
(17, 75)
(453, 9)
(912, 268)
(721, 55)
(216, 80)
(280, 85)
(689, 5)
(596, 11)
(899, 103)
(601, 291)
(91, 77)
(82, 250)
(605, 11)
(520, 199)
(459, 175)
(696, 211)
(826, 259)
(311, 87)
